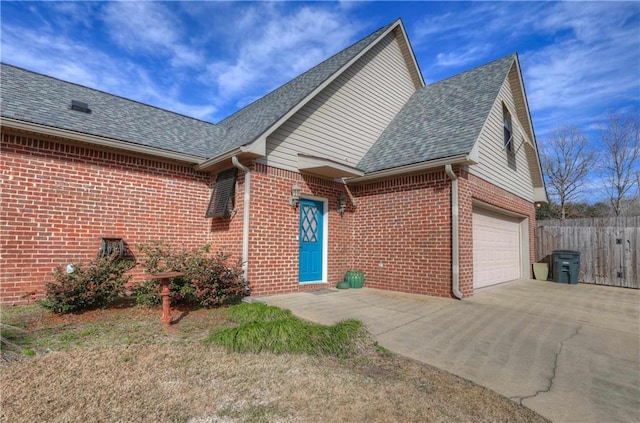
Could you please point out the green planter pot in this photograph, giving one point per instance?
(355, 278)
(541, 271)
(342, 285)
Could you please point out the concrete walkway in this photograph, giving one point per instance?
(568, 352)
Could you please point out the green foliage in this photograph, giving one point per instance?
(264, 328)
(209, 280)
(147, 293)
(256, 312)
(96, 284)
(381, 350)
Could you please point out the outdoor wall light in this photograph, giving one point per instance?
(295, 195)
(342, 204)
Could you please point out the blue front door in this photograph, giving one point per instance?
(310, 240)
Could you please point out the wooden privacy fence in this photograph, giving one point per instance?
(609, 247)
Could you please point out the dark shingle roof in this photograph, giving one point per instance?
(253, 120)
(36, 98)
(440, 120)
(44, 100)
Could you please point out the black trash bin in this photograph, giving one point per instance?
(565, 266)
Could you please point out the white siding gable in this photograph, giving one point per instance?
(495, 165)
(347, 117)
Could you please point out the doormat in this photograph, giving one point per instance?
(322, 291)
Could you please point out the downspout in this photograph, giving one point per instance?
(245, 219)
(455, 233)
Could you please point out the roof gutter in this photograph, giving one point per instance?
(225, 156)
(245, 215)
(459, 159)
(455, 237)
(97, 140)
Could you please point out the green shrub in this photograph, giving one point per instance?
(266, 328)
(147, 293)
(215, 282)
(93, 285)
(209, 280)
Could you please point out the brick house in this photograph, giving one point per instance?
(355, 164)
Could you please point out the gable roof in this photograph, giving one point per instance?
(440, 120)
(43, 100)
(31, 97)
(251, 121)
(263, 115)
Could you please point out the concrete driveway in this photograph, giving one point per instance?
(568, 352)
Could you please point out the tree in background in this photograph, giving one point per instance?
(621, 143)
(546, 211)
(566, 162)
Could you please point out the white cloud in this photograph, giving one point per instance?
(463, 57)
(273, 46)
(592, 67)
(467, 25)
(149, 28)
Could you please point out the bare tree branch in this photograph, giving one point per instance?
(621, 142)
(566, 162)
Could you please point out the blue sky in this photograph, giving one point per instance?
(580, 60)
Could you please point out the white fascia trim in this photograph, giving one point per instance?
(474, 155)
(225, 156)
(540, 195)
(256, 148)
(459, 159)
(496, 209)
(413, 55)
(97, 140)
(524, 96)
(306, 162)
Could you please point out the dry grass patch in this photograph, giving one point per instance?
(173, 377)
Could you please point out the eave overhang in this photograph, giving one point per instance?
(461, 159)
(326, 168)
(540, 195)
(248, 151)
(97, 140)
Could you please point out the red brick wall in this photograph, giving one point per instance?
(273, 247)
(402, 234)
(405, 225)
(59, 199)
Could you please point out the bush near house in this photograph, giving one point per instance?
(95, 284)
(209, 279)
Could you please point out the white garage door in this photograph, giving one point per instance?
(496, 248)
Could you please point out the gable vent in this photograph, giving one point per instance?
(222, 198)
(80, 106)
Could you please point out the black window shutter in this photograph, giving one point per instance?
(223, 195)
